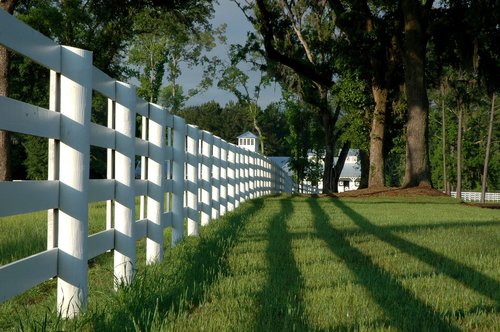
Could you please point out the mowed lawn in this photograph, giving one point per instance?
(298, 263)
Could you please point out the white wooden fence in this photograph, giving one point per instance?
(476, 196)
(187, 173)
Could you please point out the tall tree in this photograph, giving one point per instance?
(162, 42)
(5, 144)
(488, 148)
(415, 17)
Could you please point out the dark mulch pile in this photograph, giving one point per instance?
(403, 192)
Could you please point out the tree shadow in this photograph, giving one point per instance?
(281, 304)
(405, 311)
(462, 273)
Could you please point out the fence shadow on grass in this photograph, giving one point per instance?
(282, 308)
(179, 283)
(464, 274)
(405, 311)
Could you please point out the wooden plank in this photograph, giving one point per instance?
(21, 38)
(28, 196)
(142, 107)
(141, 229)
(101, 190)
(19, 276)
(28, 119)
(101, 136)
(141, 187)
(103, 83)
(166, 219)
(141, 147)
(101, 242)
(168, 185)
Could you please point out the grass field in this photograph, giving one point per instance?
(299, 263)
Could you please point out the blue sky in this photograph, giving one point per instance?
(237, 27)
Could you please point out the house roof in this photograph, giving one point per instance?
(247, 135)
(351, 170)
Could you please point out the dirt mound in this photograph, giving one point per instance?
(391, 192)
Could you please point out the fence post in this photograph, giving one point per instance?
(155, 202)
(206, 184)
(125, 253)
(178, 180)
(74, 157)
(223, 177)
(236, 176)
(53, 159)
(110, 163)
(230, 177)
(192, 180)
(216, 177)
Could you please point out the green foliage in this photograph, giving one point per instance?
(163, 41)
(228, 122)
(474, 135)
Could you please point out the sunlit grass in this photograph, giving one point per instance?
(296, 263)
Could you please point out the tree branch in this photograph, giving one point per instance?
(300, 67)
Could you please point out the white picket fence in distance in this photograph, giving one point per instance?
(471, 196)
(187, 173)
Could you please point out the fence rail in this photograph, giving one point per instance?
(476, 196)
(186, 173)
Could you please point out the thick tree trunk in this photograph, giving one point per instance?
(365, 169)
(339, 165)
(326, 120)
(5, 167)
(488, 147)
(376, 175)
(417, 169)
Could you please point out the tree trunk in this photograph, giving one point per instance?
(365, 169)
(376, 175)
(5, 167)
(443, 142)
(339, 165)
(417, 169)
(459, 151)
(328, 161)
(488, 147)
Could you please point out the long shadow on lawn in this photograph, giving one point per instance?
(179, 283)
(471, 278)
(406, 312)
(282, 308)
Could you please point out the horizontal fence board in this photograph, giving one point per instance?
(141, 229)
(29, 119)
(141, 187)
(168, 185)
(20, 197)
(101, 242)
(141, 147)
(103, 84)
(166, 219)
(142, 107)
(26, 273)
(101, 190)
(101, 136)
(19, 37)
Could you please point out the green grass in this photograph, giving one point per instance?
(297, 263)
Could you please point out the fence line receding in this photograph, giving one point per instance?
(185, 173)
